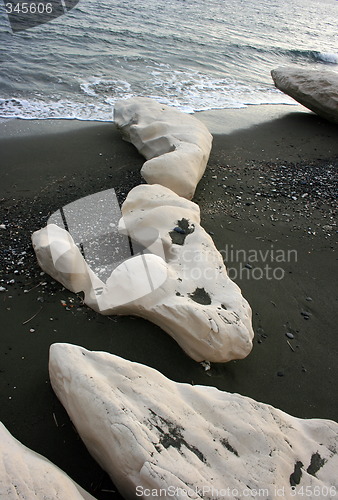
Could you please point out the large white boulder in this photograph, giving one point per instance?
(178, 282)
(316, 90)
(25, 474)
(161, 439)
(201, 307)
(175, 144)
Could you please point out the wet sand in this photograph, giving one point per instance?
(268, 198)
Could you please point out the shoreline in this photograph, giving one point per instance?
(251, 200)
(243, 117)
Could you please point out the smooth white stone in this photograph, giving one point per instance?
(176, 145)
(27, 475)
(316, 90)
(59, 257)
(149, 432)
(183, 288)
(217, 331)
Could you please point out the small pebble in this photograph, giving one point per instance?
(280, 374)
(206, 365)
(290, 335)
(179, 230)
(309, 299)
(248, 266)
(32, 330)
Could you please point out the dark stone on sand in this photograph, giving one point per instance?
(297, 474)
(181, 231)
(201, 296)
(316, 463)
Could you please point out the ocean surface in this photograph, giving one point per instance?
(191, 54)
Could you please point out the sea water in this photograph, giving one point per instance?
(191, 54)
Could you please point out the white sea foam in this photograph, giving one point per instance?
(188, 91)
(97, 87)
(101, 55)
(27, 109)
(99, 97)
(328, 57)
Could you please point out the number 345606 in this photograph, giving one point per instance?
(29, 8)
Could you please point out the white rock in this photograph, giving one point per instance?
(202, 308)
(175, 144)
(316, 90)
(175, 439)
(182, 286)
(25, 474)
(59, 257)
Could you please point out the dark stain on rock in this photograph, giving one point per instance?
(297, 474)
(181, 231)
(287, 442)
(228, 446)
(316, 463)
(201, 296)
(158, 447)
(171, 435)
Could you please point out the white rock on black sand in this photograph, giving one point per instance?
(316, 90)
(176, 145)
(150, 433)
(26, 475)
(198, 304)
(182, 286)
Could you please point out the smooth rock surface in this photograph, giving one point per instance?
(316, 90)
(176, 145)
(176, 439)
(182, 285)
(25, 474)
(202, 308)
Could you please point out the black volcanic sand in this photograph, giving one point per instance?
(267, 198)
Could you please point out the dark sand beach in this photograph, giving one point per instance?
(268, 199)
